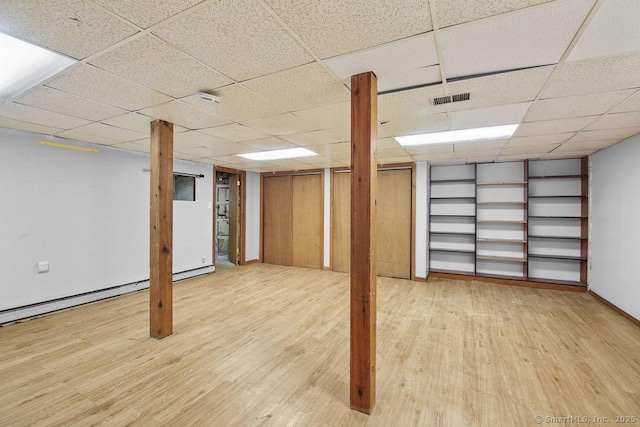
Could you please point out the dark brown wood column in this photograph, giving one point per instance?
(161, 242)
(364, 134)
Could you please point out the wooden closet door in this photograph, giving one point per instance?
(394, 216)
(278, 220)
(394, 223)
(308, 220)
(341, 222)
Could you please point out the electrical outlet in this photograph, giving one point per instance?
(43, 266)
(210, 205)
(204, 260)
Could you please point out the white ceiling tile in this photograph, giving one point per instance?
(238, 38)
(300, 88)
(71, 105)
(92, 83)
(500, 89)
(337, 27)
(191, 139)
(155, 64)
(480, 146)
(517, 150)
(453, 12)
(615, 29)
(554, 126)
(604, 135)
(616, 120)
(567, 155)
(330, 150)
(149, 12)
(141, 146)
(237, 104)
(491, 116)
(387, 143)
(74, 28)
(557, 138)
(429, 157)
(283, 124)
(403, 63)
(306, 139)
(25, 113)
(133, 121)
(416, 102)
(517, 158)
(290, 164)
(183, 114)
(111, 132)
(582, 146)
(630, 104)
(412, 125)
(270, 143)
(480, 152)
(342, 133)
(28, 127)
(390, 153)
(191, 156)
(430, 149)
(594, 75)
(524, 38)
(88, 137)
(576, 106)
(327, 116)
(234, 132)
(228, 149)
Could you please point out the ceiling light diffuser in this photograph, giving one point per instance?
(25, 65)
(288, 153)
(464, 135)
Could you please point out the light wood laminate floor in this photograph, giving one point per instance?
(269, 345)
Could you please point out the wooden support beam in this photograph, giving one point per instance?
(161, 242)
(364, 134)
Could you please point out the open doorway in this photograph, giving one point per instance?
(229, 218)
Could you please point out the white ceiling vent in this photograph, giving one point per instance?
(451, 98)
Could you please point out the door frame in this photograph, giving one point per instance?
(242, 178)
(412, 166)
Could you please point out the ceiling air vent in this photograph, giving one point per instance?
(461, 97)
(442, 100)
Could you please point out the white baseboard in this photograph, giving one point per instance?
(45, 307)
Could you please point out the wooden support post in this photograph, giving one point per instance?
(161, 224)
(364, 133)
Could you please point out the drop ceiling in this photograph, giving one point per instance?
(567, 70)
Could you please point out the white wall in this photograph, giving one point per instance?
(422, 219)
(252, 216)
(615, 225)
(87, 214)
(327, 218)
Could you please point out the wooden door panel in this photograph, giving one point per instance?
(394, 223)
(341, 219)
(308, 219)
(278, 220)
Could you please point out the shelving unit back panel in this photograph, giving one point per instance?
(555, 187)
(453, 225)
(503, 213)
(462, 262)
(452, 189)
(507, 193)
(453, 242)
(453, 172)
(555, 167)
(453, 207)
(554, 227)
(501, 249)
(500, 231)
(499, 268)
(554, 269)
(500, 172)
(555, 207)
(556, 247)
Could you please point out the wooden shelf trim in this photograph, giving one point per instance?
(559, 257)
(541, 236)
(501, 240)
(458, 233)
(453, 215)
(561, 196)
(517, 203)
(558, 177)
(454, 181)
(510, 280)
(502, 183)
(557, 217)
(462, 251)
(454, 198)
(500, 258)
(499, 221)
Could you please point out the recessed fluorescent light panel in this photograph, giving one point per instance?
(288, 153)
(464, 135)
(25, 65)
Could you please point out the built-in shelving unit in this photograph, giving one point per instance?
(518, 220)
(222, 217)
(452, 219)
